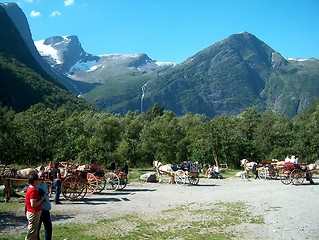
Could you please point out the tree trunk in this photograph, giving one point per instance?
(216, 160)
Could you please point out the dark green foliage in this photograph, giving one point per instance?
(41, 134)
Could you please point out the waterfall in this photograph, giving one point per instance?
(142, 98)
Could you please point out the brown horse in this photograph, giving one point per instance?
(312, 169)
(163, 169)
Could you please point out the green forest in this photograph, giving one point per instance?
(41, 134)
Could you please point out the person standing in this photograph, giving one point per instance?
(57, 183)
(46, 207)
(113, 165)
(33, 207)
(47, 170)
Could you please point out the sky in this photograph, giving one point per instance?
(173, 30)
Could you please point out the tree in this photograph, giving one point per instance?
(274, 136)
(246, 124)
(9, 143)
(159, 139)
(40, 129)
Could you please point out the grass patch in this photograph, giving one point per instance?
(229, 173)
(11, 207)
(209, 221)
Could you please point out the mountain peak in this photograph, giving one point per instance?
(65, 51)
(65, 40)
(8, 4)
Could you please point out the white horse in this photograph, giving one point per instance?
(24, 173)
(163, 169)
(249, 166)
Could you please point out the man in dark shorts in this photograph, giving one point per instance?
(57, 183)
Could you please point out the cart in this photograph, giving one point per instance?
(191, 173)
(267, 170)
(76, 186)
(101, 178)
(78, 182)
(293, 173)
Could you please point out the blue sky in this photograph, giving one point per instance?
(173, 30)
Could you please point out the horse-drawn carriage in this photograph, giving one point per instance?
(77, 181)
(180, 174)
(96, 178)
(290, 173)
(286, 171)
(10, 177)
(268, 169)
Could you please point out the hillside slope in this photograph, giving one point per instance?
(23, 82)
(234, 74)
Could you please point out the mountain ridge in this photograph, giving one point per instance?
(23, 82)
(228, 77)
(239, 72)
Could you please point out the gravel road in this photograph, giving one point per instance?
(290, 212)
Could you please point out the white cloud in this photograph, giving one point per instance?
(68, 2)
(55, 14)
(35, 13)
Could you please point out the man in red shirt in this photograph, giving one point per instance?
(33, 203)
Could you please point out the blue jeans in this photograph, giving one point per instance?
(47, 223)
(58, 185)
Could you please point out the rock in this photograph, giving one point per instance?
(149, 177)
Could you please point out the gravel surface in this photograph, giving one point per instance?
(290, 212)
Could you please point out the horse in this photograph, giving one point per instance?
(7, 172)
(312, 168)
(11, 177)
(249, 166)
(24, 173)
(163, 169)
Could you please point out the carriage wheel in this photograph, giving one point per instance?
(262, 174)
(123, 182)
(180, 178)
(74, 188)
(92, 182)
(284, 176)
(101, 185)
(85, 189)
(193, 180)
(297, 176)
(112, 181)
(273, 174)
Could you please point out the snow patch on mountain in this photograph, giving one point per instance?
(297, 59)
(161, 64)
(48, 51)
(120, 56)
(88, 66)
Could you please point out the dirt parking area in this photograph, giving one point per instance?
(290, 212)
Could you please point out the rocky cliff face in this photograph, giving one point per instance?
(19, 19)
(23, 82)
(67, 53)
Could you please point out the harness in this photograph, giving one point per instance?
(8, 172)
